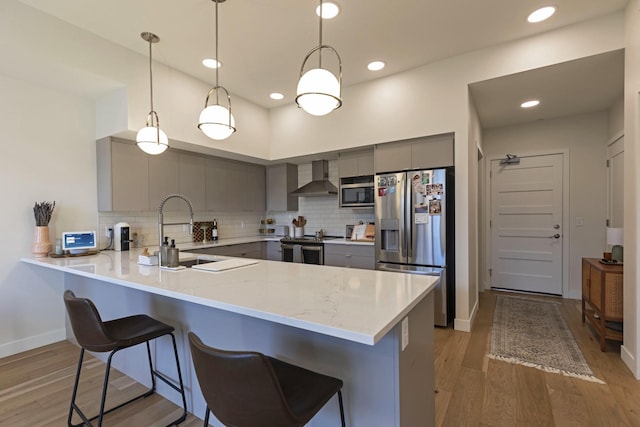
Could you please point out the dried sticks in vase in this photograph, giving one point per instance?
(42, 212)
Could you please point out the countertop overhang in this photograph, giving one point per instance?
(347, 303)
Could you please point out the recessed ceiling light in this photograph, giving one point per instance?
(376, 65)
(529, 104)
(276, 95)
(211, 63)
(541, 14)
(329, 10)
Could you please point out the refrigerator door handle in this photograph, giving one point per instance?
(408, 227)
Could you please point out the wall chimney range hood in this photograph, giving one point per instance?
(320, 184)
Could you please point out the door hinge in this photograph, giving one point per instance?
(606, 222)
(490, 223)
(607, 162)
(490, 272)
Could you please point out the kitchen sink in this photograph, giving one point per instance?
(191, 262)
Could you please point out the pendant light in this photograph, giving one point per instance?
(318, 89)
(151, 139)
(216, 121)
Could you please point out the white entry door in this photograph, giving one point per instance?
(526, 224)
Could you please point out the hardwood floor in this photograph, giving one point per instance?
(473, 390)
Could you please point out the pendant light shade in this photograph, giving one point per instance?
(319, 91)
(216, 121)
(151, 139)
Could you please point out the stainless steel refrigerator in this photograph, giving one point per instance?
(415, 232)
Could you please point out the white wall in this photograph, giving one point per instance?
(616, 118)
(631, 347)
(585, 137)
(48, 153)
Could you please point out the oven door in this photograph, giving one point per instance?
(291, 252)
(313, 254)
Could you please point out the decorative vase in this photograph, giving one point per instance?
(41, 245)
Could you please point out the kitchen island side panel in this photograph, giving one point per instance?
(383, 385)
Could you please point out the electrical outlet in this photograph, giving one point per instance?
(107, 231)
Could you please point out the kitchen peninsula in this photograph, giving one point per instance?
(372, 329)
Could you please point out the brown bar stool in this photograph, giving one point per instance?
(114, 335)
(249, 389)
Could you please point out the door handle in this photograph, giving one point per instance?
(557, 226)
(555, 236)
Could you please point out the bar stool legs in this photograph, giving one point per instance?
(87, 421)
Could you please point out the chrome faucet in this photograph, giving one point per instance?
(161, 223)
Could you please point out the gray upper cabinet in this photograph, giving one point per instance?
(254, 181)
(163, 180)
(234, 186)
(355, 163)
(123, 176)
(420, 153)
(281, 180)
(192, 179)
(131, 180)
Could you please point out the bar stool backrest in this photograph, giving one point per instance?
(86, 324)
(240, 387)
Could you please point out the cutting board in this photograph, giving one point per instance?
(227, 264)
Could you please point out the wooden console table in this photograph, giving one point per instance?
(602, 297)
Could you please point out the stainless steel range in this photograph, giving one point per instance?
(307, 249)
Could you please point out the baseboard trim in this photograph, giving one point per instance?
(465, 325)
(29, 343)
(630, 361)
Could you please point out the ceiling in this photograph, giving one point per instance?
(263, 42)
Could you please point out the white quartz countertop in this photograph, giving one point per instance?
(347, 303)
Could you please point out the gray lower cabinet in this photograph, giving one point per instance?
(349, 255)
(242, 250)
(274, 251)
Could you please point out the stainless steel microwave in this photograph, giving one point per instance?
(356, 192)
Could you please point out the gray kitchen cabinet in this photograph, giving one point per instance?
(242, 250)
(355, 163)
(349, 255)
(420, 153)
(164, 178)
(273, 251)
(215, 184)
(255, 187)
(123, 176)
(281, 180)
(192, 179)
(234, 186)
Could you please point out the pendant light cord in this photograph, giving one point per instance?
(151, 77)
(217, 59)
(320, 38)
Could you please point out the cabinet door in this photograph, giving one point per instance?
(274, 251)
(281, 180)
(215, 184)
(164, 180)
(192, 180)
(432, 152)
(348, 164)
(255, 188)
(392, 157)
(365, 163)
(129, 177)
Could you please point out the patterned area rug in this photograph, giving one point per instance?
(533, 333)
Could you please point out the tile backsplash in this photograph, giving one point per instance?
(320, 212)
(323, 212)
